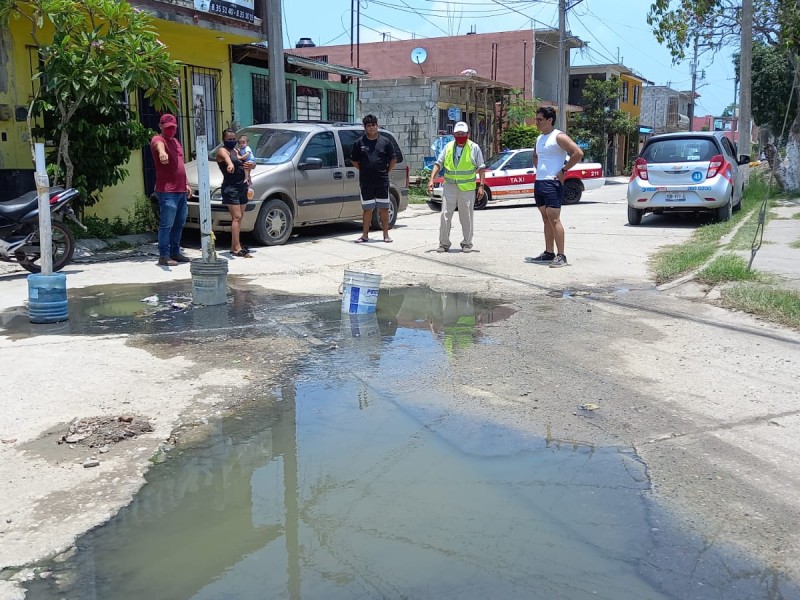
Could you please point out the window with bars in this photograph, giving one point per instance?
(323, 75)
(635, 95)
(624, 91)
(672, 112)
(205, 106)
(339, 106)
(260, 99)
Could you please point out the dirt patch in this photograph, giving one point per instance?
(96, 432)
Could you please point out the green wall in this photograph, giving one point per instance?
(243, 92)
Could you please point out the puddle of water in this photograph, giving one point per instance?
(342, 498)
(119, 309)
(359, 480)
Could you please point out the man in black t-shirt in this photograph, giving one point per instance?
(374, 157)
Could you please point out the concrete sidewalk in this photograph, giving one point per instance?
(776, 255)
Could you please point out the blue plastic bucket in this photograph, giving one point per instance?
(360, 292)
(47, 298)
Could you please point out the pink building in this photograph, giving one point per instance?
(524, 59)
(728, 125)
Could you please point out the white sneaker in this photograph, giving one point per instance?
(442, 249)
(466, 248)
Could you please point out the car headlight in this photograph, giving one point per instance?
(216, 195)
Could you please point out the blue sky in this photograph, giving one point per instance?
(618, 34)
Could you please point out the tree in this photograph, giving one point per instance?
(730, 110)
(776, 23)
(100, 52)
(600, 120)
(519, 109)
(772, 90)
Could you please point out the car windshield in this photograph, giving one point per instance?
(270, 146)
(677, 150)
(497, 160)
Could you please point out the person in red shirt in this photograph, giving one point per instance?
(172, 190)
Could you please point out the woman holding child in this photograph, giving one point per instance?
(235, 176)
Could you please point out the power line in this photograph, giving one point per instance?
(442, 13)
(422, 17)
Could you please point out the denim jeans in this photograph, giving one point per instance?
(172, 206)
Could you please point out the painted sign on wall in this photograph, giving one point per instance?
(244, 10)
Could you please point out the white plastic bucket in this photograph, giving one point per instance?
(360, 292)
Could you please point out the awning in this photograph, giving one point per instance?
(318, 65)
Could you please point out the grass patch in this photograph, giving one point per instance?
(776, 305)
(743, 240)
(673, 261)
(417, 194)
(727, 267)
(795, 244)
(796, 215)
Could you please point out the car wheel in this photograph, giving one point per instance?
(482, 201)
(435, 206)
(376, 224)
(634, 215)
(573, 190)
(738, 206)
(723, 213)
(274, 223)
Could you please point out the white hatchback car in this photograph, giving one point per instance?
(686, 172)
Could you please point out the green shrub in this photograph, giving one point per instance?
(519, 136)
(143, 218)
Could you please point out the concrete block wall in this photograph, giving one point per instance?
(406, 108)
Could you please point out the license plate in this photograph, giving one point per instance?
(675, 196)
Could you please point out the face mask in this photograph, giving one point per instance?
(461, 138)
(230, 144)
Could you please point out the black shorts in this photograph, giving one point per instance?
(549, 192)
(235, 194)
(375, 196)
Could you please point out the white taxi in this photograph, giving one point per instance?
(511, 175)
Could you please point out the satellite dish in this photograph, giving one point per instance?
(419, 55)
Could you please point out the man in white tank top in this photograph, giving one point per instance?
(553, 147)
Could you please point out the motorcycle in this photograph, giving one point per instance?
(19, 229)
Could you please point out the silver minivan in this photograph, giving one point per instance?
(303, 176)
(686, 172)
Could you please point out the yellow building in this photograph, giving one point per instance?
(630, 101)
(196, 36)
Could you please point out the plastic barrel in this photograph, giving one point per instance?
(360, 292)
(209, 282)
(47, 298)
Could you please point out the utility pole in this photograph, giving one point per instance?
(273, 30)
(745, 77)
(352, 18)
(561, 120)
(694, 85)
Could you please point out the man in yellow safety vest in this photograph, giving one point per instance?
(461, 159)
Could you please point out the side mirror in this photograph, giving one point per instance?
(744, 159)
(310, 164)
